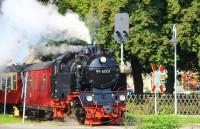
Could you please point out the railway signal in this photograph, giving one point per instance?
(121, 27)
(121, 32)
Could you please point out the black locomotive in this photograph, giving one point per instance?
(96, 77)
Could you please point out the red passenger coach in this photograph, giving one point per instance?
(39, 89)
(14, 86)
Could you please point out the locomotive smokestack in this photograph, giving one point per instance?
(99, 49)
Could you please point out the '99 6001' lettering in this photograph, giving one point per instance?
(103, 71)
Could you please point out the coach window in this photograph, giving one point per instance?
(30, 81)
(44, 81)
(1, 88)
(3, 81)
(9, 80)
(33, 82)
(14, 80)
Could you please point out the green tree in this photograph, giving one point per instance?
(189, 36)
(79, 6)
(147, 44)
(150, 33)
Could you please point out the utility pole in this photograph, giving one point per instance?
(5, 94)
(174, 40)
(24, 104)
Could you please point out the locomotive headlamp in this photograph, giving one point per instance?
(103, 59)
(89, 98)
(122, 98)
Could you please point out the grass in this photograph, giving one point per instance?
(7, 119)
(161, 121)
(189, 119)
(181, 119)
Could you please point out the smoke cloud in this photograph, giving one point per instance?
(45, 50)
(35, 53)
(28, 23)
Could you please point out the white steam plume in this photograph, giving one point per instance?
(27, 23)
(35, 53)
(45, 50)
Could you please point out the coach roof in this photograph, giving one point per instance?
(15, 68)
(39, 66)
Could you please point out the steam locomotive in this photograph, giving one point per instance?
(87, 84)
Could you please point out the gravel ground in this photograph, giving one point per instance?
(40, 126)
(55, 125)
(71, 125)
(191, 126)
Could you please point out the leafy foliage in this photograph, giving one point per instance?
(79, 6)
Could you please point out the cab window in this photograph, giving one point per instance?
(55, 69)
